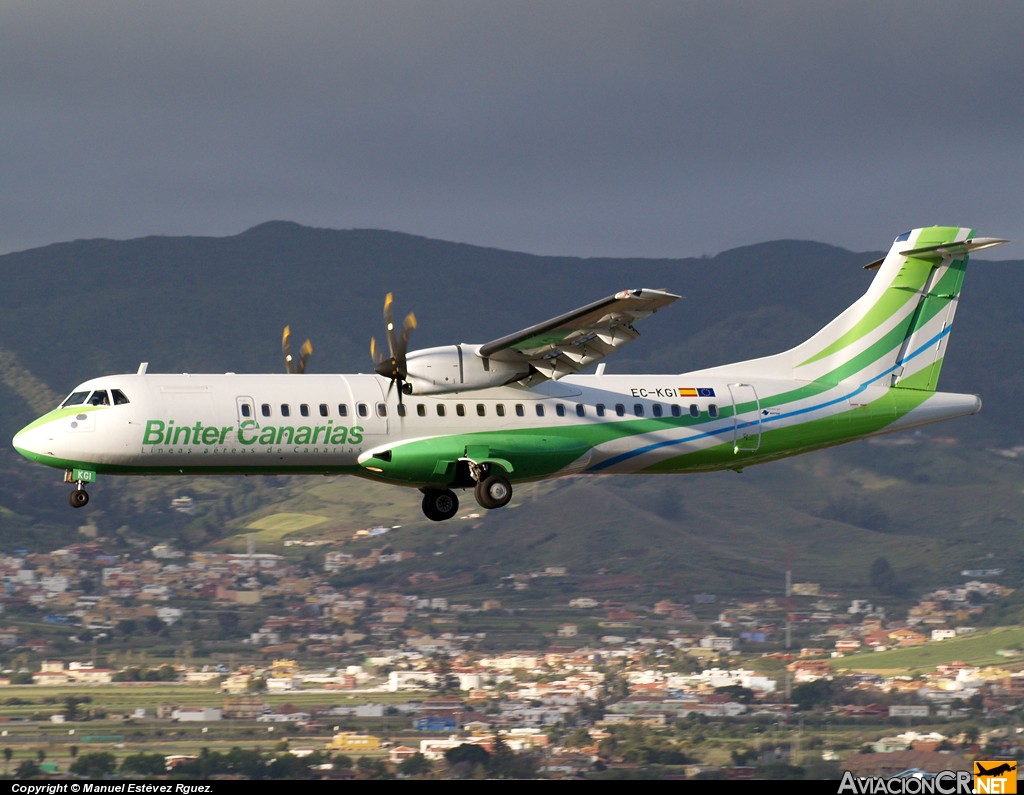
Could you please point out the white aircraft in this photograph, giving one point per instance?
(516, 409)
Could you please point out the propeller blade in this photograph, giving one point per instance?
(286, 349)
(389, 326)
(393, 367)
(304, 353)
(290, 364)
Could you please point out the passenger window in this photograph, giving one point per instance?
(119, 398)
(540, 410)
(480, 410)
(694, 410)
(342, 410)
(265, 409)
(401, 409)
(676, 410)
(560, 409)
(75, 399)
(500, 409)
(286, 410)
(440, 409)
(712, 410)
(246, 410)
(382, 409)
(656, 409)
(520, 411)
(638, 409)
(324, 410)
(421, 410)
(581, 410)
(599, 409)
(362, 410)
(620, 410)
(460, 409)
(304, 409)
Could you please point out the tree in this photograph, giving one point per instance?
(341, 762)
(818, 693)
(467, 752)
(740, 694)
(153, 625)
(885, 580)
(143, 764)
(505, 763)
(373, 768)
(580, 738)
(467, 757)
(94, 765)
(415, 765)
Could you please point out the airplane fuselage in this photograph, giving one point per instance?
(332, 424)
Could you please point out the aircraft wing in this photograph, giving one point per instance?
(566, 344)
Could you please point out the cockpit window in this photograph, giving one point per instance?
(75, 399)
(97, 397)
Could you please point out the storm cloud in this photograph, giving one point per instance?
(663, 129)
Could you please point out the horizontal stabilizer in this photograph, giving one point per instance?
(944, 249)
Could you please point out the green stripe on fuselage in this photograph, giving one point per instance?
(801, 438)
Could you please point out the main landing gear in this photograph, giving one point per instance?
(440, 504)
(491, 489)
(493, 492)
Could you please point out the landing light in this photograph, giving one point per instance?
(378, 470)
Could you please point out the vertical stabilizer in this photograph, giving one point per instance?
(896, 333)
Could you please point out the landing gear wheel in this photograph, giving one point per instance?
(78, 498)
(439, 505)
(493, 492)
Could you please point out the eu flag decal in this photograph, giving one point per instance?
(701, 391)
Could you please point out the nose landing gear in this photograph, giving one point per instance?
(79, 497)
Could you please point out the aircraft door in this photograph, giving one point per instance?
(746, 418)
(245, 408)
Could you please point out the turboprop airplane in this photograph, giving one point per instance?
(517, 409)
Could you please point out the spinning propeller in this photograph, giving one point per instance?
(393, 367)
(290, 365)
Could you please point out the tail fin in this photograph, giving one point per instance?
(896, 333)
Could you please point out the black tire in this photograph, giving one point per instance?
(440, 504)
(493, 492)
(78, 498)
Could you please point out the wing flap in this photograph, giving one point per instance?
(570, 342)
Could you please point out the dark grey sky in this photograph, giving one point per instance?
(664, 129)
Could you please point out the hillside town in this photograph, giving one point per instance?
(259, 630)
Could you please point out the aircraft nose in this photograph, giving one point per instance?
(31, 441)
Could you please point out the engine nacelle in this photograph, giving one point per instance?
(456, 368)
